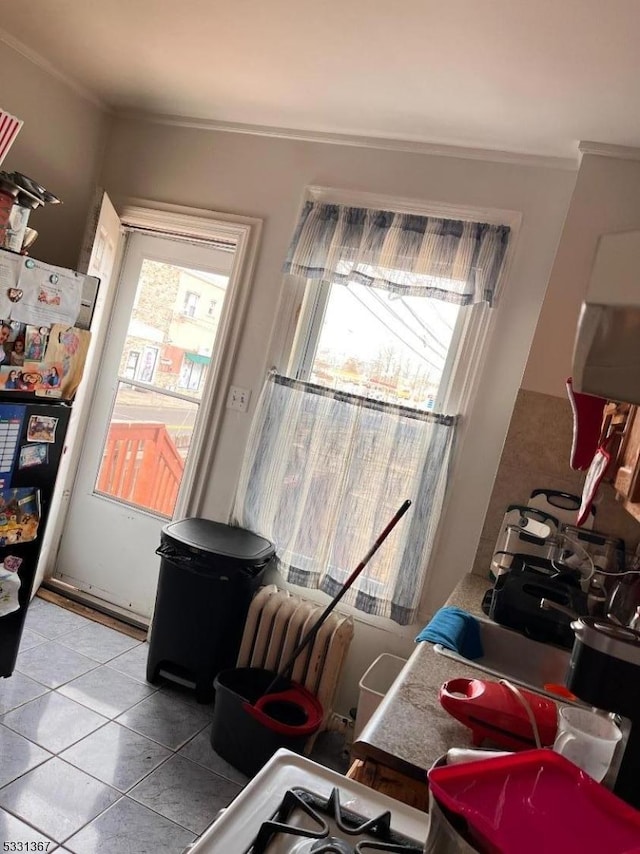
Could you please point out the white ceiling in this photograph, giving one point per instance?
(533, 76)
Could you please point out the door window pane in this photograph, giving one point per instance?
(146, 449)
(170, 325)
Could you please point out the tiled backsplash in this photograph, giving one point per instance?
(536, 455)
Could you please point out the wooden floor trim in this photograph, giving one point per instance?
(91, 614)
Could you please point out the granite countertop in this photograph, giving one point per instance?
(410, 729)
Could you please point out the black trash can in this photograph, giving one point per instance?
(208, 575)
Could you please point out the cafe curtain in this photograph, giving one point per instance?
(325, 470)
(452, 260)
(324, 473)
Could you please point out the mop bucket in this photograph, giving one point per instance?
(249, 726)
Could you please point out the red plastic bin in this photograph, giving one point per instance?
(536, 801)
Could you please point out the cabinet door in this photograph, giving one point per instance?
(627, 475)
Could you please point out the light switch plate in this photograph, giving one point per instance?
(238, 398)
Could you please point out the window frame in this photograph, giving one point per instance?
(472, 335)
(192, 365)
(186, 306)
(311, 320)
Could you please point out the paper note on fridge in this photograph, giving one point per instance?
(45, 294)
(9, 271)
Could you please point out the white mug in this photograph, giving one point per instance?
(587, 739)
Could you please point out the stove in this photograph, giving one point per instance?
(294, 806)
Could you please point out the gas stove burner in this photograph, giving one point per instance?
(329, 827)
(330, 846)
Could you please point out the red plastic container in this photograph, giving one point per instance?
(492, 711)
(536, 801)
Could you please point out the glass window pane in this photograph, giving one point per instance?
(173, 327)
(383, 345)
(146, 449)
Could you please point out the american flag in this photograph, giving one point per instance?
(9, 130)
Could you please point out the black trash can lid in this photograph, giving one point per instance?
(208, 537)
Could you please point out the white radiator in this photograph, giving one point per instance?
(276, 622)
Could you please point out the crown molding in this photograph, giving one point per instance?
(603, 149)
(358, 141)
(34, 57)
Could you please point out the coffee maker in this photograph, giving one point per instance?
(605, 672)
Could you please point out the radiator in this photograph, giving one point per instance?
(276, 622)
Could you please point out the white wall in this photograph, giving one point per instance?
(265, 178)
(606, 199)
(60, 146)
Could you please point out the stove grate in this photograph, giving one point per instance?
(320, 811)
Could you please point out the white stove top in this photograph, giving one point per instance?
(236, 829)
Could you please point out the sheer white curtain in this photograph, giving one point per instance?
(326, 471)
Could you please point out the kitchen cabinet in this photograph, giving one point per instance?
(621, 424)
(413, 792)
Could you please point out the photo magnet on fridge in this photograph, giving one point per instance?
(19, 515)
(11, 563)
(35, 342)
(42, 428)
(9, 588)
(66, 350)
(33, 455)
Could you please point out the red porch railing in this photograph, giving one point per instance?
(142, 466)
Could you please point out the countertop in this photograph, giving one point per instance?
(410, 729)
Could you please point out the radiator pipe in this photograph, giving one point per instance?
(313, 631)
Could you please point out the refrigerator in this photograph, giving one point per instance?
(43, 347)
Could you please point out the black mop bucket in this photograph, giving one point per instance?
(249, 725)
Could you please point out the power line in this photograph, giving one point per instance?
(417, 317)
(386, 305)
(395, 334)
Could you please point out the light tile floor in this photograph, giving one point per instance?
(94, 757)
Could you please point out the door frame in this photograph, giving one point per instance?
(181, 222)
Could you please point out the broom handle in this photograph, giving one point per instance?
(306, 640)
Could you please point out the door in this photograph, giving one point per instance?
(145, 414)
(99, 256)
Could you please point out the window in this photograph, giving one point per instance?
(385, 346)
(363, 418)
(191, 301)
(190, 374)
(212, 307)
(133, 357)
(147, 365)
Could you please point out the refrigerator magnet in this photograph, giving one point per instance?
(11, 563)
(9, 587)
(19, 515)
(33, 455)
(42, 428)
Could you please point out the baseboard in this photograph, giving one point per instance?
(51, 592)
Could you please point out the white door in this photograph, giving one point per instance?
(145, 413)
(99, 256)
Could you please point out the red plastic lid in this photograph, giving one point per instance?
(536, 801)
(306, 705)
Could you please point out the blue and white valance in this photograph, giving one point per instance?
(453, 260)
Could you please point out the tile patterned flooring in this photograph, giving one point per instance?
(92, 757)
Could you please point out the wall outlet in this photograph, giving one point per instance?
(238, 398)
(341, 723)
